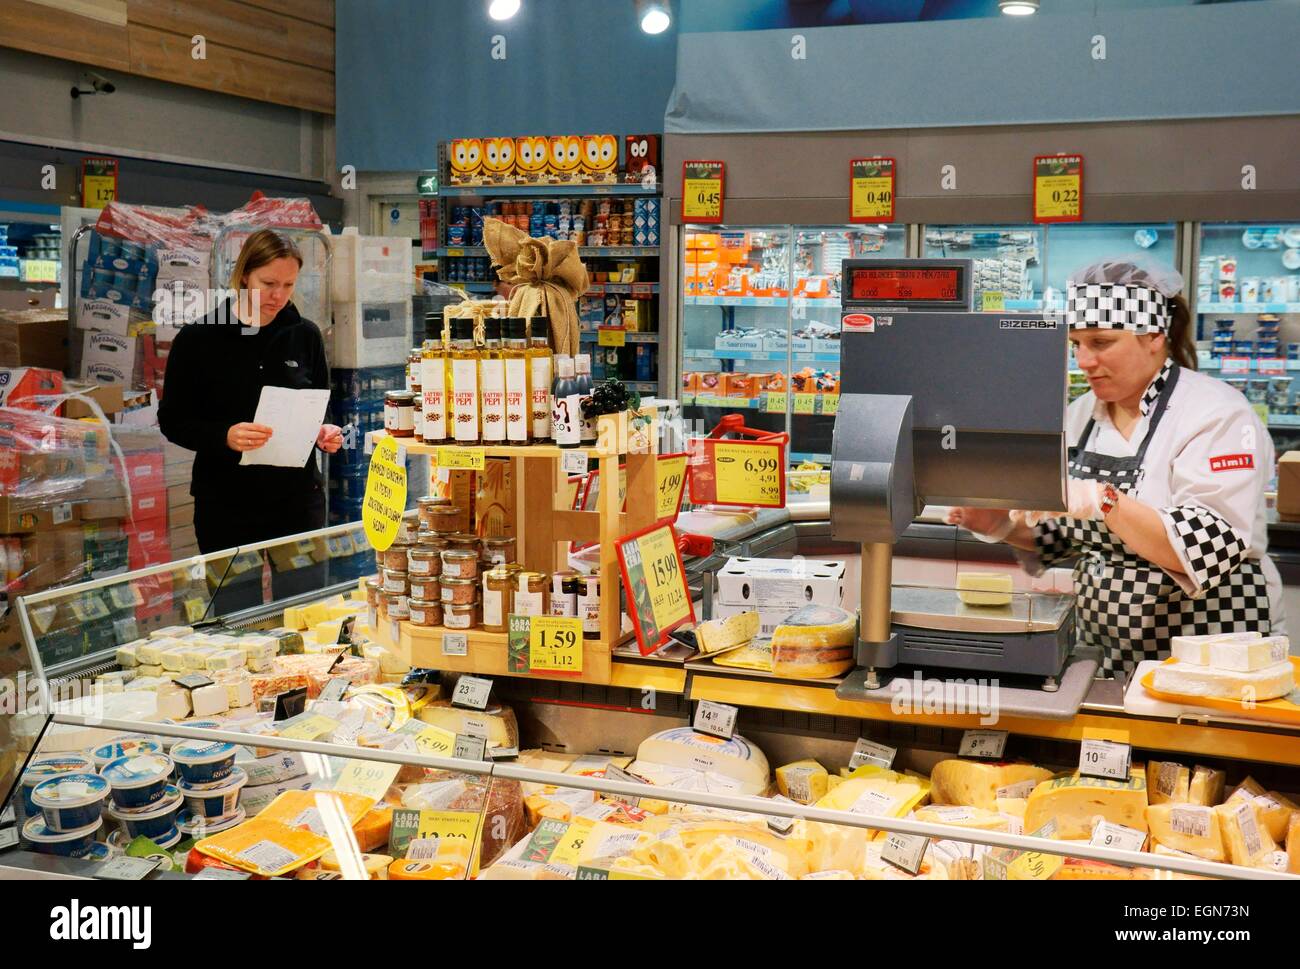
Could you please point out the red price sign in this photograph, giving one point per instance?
(748, 474)
(655, 580)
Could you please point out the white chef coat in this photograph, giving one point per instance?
(1209, 450)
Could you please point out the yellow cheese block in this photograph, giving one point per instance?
(1247, 789)
(963, 817)
(1167, 781)
(718, 635)
(814, 643)
(299, 809)
(1190, 828)
(1206, 786)
(755, 656)
(376, 866)
(327, 632)
(496, 723)
(1275, 812)
(978, 784)
(1012, 806)
(374, 828)
(984, 588)
(264, 847)
(833, 781)
(345, 610)
(1293, 846)
(1247, 841)
(804, 781)
(1076, 802)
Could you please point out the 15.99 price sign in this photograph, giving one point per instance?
(703, 189)
(737, 473)
(1058, 188)
(655, 582)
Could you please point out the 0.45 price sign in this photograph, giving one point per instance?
(1058, 188)
(658, 597)
(703, 191)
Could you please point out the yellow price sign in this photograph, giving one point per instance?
(435, 742)
(670, 482)
(555, 644)
(871, 183)
(310, 727)
(805, 403)
(703, 190)
(992, 299)
(749, 474)
(385, 501)
(656, 586)
(367, 777)
(830, 404)
(611, 336)
(1058, 188)
(461, 459)
(1262, 411)
(1034, 866)
(568, 851)
(98, 190)
(775, 403)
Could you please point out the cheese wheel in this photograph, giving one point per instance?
(684, 749)
(978, 784)
(1187, 679)
(814, 642)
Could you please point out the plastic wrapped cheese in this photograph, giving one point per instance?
(497, 723)
(718, 635)
(1250, 656)
(814, 643)
(1206, 786)
(979, 784)
(264, 847)
(1168, 781)
(681, 749)
(1190, 828)
(1188, 679)
(1196, 649)
(375, 867)
(963, 817)
(1247, 841)
(803, 782)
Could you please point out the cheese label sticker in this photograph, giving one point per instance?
(875, 804)
(1023, 789)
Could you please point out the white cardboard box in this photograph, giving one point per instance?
(103, 314)
(776, 588)
(108, 358)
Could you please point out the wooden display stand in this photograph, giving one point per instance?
(543, 534)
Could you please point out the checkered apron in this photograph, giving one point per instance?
(1127, 606)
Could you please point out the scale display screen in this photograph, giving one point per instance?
(890, 284)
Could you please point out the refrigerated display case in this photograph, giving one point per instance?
(1009, 261)
(761, 324)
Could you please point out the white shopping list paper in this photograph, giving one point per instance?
(295, 417)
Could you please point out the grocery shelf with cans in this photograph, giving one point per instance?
(577, 189)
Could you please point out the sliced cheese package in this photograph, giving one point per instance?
(815, 642)
(662, 757)
(312, 809)
(1075, 802)
(978, 784)
(1187, 679)
(1247, 841)
(719, 635)
(1189, 828)
(264, 847)
(1167, 781)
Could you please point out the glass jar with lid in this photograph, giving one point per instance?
(397, 582)
(460, 617)
(458, 592)
(427, 587)
(531, 594)
(399, 413)
(498, 551)
(425, 561)
(425, 612)
(444, 519)
(397, 557)
(498, 599)
(460, 563)
(426, 505)
(467, 541)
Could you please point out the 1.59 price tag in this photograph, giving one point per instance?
(555, 644)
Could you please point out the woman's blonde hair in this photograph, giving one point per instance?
(262, 248)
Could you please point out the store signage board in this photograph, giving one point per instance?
(1234, 364)
(614, 773)
(1058, 188)
(983, 744)
(871, 190)
(385, 501)
(98, 182)
(715, 719)
(1104, 759)
(655, 581)
(471, 692)
(749, 474)
(1271, 367)
(703, 191)
(670, 485)
(427, 183)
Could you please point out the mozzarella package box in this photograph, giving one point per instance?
(776, 588)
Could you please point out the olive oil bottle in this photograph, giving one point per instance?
(519, 413)
(433, 385)
(492, 383)
(541, 371)
(462, 373)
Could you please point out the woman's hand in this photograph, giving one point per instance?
(981, 521)
(247, 436)
(330, 438)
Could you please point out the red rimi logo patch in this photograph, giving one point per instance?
(1232, 462)
(863, 322)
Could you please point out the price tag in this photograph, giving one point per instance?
(830, 404)
(1058, 188)
(308, 727)
(983, 744)
(455, 252)
(574, 462)
(992, 300)
(1034, 866)
(905, 851)
(555, 644)
(703, 191)
(367, 777)
(385, 501)
(335, 688)
(781, 825)
(193, 681)
(738, 473)
(586, 874)
(1103, 758)
(471, 692)
(655, 581)
(461, 459)
(568, 849)
(8, 838)
(1271, 366)
(222, 875)
(715, 719)
(468, 747)
(871, 190)
(517, 640)
(127, 869)
(98, 182)
(670, 484)
(1234, 364)
(431, 741)
(805, 403)
(613, 773)
(865, 752)
(994, 868)
(410, 826)
(289, 704)
(774, 403)
(611, 336)
(455, 644)
(1108, 835)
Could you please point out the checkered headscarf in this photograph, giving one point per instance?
(1116, 306)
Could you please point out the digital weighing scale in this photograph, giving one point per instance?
(942, 405)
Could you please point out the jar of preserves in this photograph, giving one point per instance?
(425, 613)
(408, 530)
(399, 413)
(458, 592)
(427, 587)
(460, 617)
(424, 561)
(444, 519)
(426, 505)
(373, 588)
(589, 605)
(459, 563)
(466, 540)
(564, 593)
(397, 557)
(498, 600)
(530, 597)
(396, 607)
(500, 551)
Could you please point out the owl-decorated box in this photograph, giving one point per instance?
(600, 158)
(532, 159)
(642, 157)
(566, 159)
(465, 161)
(499, 161)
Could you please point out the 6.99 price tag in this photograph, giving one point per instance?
(555, 644)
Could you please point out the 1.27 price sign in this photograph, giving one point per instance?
(655, 581)
(704, 186)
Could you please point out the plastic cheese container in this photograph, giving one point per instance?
(125, 747)
(70, 844)
(157, 823)
(204, 761)
(215, 801)
(41, 769)
(138, 781)
(71, 802)
(192, 826)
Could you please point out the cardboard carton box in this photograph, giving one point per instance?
(25, 515)
(776, 588)
(1288, 486)
(34, 338)
(19, 384)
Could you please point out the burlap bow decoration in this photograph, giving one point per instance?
(548, 277)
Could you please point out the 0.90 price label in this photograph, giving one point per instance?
(555, 644)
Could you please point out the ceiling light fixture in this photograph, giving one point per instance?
(655, 18)
(503, 9)
(1018, 8)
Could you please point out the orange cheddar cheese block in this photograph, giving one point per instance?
(264, 847)
(373, 829)
(309, 809)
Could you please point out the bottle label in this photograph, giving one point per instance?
(589, 610)
(518, 408)
(492, 608)
(391, 419)
(464, 393)
(541, 398)
(588, 431)
(433, 384)
(566, 419)
(493, 374)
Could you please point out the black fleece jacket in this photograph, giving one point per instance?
(215, 374)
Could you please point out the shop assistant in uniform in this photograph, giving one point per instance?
(215, 375)
(1167, 474)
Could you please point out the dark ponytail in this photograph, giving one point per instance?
(1182, 347)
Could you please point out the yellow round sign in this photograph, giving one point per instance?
(385, 494)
